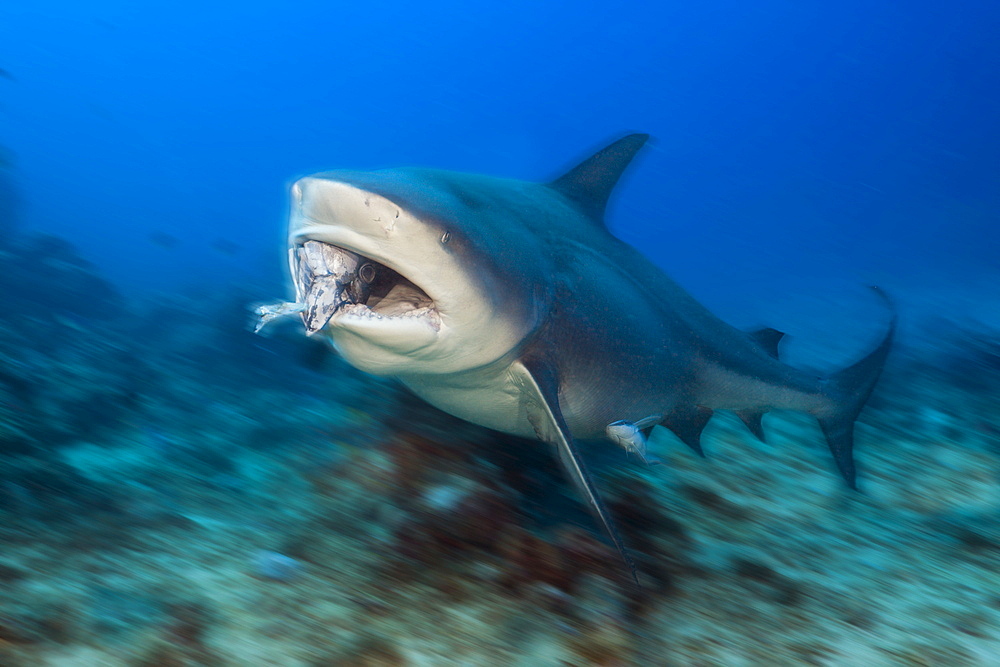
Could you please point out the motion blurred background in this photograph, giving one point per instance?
(177, 491)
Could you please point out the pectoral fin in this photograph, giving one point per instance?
(646, 424)
(540, 392)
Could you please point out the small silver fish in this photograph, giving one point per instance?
(629, 436)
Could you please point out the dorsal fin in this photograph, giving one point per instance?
(590, 183)
(768, 339)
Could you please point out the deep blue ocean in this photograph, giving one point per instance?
(793, 142)
(800, 151)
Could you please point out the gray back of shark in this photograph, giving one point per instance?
(511, 305)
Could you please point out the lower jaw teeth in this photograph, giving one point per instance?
(359, 310)
(266, 313)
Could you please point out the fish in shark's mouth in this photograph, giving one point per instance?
(331, 281)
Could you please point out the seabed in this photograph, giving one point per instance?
(176, 491)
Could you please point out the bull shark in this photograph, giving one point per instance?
(510, 304)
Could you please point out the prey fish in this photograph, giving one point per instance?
(328, 279)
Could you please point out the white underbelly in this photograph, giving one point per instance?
(492, 400)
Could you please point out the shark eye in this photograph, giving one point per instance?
(367, 273)
(445, 237)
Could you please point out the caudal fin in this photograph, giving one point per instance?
(848, 391)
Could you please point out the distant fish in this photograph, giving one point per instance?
(164, 240)
(4, 74)
(225, 246)
(107, 25)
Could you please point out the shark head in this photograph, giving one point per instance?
(442, 283)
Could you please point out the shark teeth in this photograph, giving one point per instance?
(362, 312)
(266, 313)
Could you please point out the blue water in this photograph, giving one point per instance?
(818, 143)
(800, 151)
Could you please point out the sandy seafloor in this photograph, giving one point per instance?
(175, 491)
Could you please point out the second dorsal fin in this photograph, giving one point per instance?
(589, 184)
(768, 339)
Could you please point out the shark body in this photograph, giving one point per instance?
(509, 304)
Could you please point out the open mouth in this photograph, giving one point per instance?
(331, 281)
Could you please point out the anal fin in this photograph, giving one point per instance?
(754, 422)
(540, 391)
(687, 423)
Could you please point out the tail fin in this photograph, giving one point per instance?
(849, 390)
